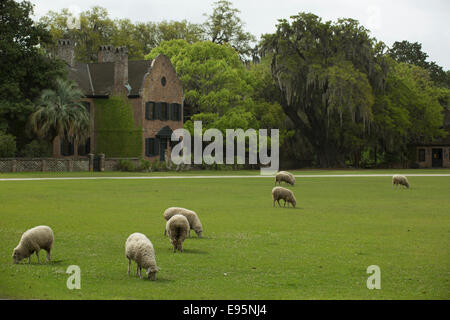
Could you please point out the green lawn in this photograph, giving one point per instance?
(250, 250)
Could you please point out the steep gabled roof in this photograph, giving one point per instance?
(97, 79)
(164, 132)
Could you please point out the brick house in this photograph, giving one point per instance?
(151, 87)
(436, 154)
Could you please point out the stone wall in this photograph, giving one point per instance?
(62, 164)
(43, 164)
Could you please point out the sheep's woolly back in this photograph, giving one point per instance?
(34, 239)
(279, 193)
(177, 228)
(140, 249)
(285, 176)
(399, 179)
(191, 216)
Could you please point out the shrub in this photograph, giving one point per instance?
(7, 145)
(126, 165)
(158, 165)
(37, 148)
(144, 165)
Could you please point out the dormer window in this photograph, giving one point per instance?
(163, 81)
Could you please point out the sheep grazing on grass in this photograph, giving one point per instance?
(284, 176)
(177, 228)
(287, 195)
(33, 240)
(400, 180)
(140, 249)
(191, 216)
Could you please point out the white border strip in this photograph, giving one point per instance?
(221, 177)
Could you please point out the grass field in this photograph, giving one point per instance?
(250, 250)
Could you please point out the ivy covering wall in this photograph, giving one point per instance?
(117, 133)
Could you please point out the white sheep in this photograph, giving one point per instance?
(33, 240)
(400, 180)
(285, 194)
(177, 228)
(284, 176)
(140, 249)
(192, 217)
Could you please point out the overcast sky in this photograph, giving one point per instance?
(427, 22)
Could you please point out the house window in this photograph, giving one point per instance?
(149, 109)
(151, 147)
(164, 111)
(163, 81)
(87, 106)
(67, 148)
(157, 111)
(175, 111)
(421, 155)
(84, 149)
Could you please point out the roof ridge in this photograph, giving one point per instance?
(90, 80)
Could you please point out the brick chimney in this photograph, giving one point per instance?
(106, 53)
(66, 51)
(120, 69)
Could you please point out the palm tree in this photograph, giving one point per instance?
(60, 113)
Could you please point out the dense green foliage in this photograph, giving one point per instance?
(412, 53)
(326, 73)
(7, 145)
(37, 148)
(407, 112)
(117, 133)
(60, 113)
(250, 250)
(25, 71)
(330, 75)
(225, 26)
(94, 28)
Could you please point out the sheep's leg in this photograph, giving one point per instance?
(129, 265)
(165, 231)
(279, 202)
(284, 205)
(29, 259)
(37, 255)
(180, 247)
(137, 269)
(140, 272)
(48, 256)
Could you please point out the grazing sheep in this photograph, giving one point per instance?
(285, 194)
(177, 228)
(33, 240)
(140, 249)
(284, 176)
(400, 180)
(194, 221)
